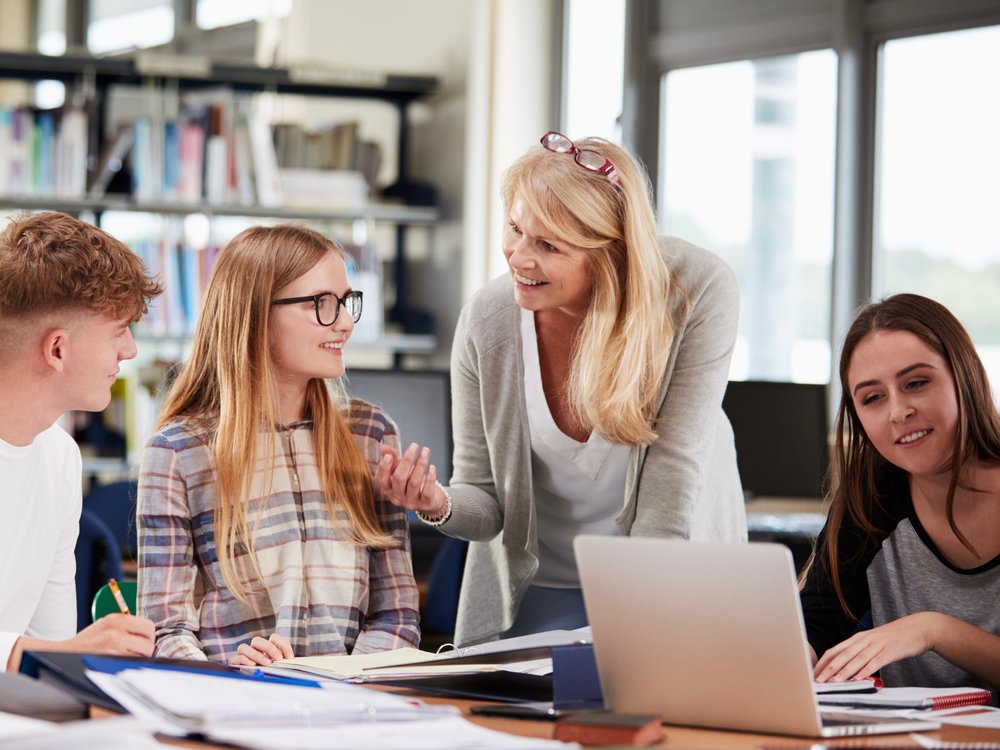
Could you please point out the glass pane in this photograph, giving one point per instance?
(118, 25)
(595, 68)
(50, 20)
(938, 228)
(211, 14)
(747, 172)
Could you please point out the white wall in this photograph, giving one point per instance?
(523, 93)
(16, 26)
(15, 34)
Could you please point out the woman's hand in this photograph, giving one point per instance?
(864, 653)
(410, 480)
(262, 651)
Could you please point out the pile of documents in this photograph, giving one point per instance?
(298, 703)
(272, 714)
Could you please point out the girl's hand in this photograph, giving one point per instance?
(863, 654)
(262, 651)
(410, 480)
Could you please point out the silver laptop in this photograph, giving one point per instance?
(707, 635)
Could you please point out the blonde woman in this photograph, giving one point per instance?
(587, 393)
(261, 534)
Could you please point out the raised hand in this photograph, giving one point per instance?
(410, 480)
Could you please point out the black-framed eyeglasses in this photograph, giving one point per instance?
(589, 159)
(327, 305)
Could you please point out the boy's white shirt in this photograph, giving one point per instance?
(40, 503)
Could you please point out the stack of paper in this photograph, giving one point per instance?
(180, 702)
(432, 734)
(12, 725)
(268, 715)
(121, 733)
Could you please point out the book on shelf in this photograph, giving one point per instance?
(192, 166)
(171, 172)
(70, 154)
(324, 189)
(147, 159)
(909, 697)
(246, 194)
(184, 271)
(270, 191)
(336, 147)
(217, 151)
(43, 152)
(43, 142)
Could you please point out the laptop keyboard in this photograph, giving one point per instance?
(842, 720)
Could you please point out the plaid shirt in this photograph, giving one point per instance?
(323, 593)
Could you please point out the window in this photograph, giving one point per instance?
(211, 14)
(50, 23)
(747, 172)
(595, 65)
(120, 25)
(938, 224)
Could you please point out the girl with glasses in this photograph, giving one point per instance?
(911, 546)
(587, 393)
(261, 533)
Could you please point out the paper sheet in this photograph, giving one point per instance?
(433, 734)
(121, 733)
(176, 701)
(12, 725)
(344, 666)
(985, 717)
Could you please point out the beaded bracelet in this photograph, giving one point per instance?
(441, 517)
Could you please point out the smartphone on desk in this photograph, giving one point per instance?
(538, 710)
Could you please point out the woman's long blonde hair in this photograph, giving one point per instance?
(227, 387)
(622, 350)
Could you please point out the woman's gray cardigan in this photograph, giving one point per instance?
(685, 485)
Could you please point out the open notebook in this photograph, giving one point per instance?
(708, 635)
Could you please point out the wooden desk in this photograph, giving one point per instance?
(692, 737)
(687, 737)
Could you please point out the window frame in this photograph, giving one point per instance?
(665, 35)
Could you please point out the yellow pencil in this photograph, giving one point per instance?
(113, 585)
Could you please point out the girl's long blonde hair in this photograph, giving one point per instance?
(227, 387)
(622, 350)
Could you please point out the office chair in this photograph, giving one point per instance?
(97, 559)
(114, 503)
(105, 603)
(444, 581)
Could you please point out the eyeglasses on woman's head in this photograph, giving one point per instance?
(592, 161)
(327, 305)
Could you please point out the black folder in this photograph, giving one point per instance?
(505, 687)
(573, 684)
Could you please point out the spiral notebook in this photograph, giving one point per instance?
(916, 697)
(707, 634)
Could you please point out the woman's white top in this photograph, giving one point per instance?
(579, 487)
